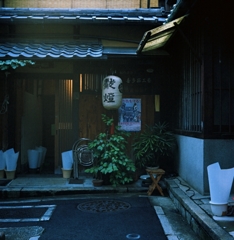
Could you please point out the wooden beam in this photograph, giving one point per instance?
(158, 41)
(159, 36)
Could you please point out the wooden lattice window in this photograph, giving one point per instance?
(190, 118)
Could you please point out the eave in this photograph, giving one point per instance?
(154, 17)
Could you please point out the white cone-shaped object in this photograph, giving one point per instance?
(67, 160)
(42, 153)
(2, 161)
(44, 150)
(40, 156)
(220, 183)
(33, 158)
(11, 159)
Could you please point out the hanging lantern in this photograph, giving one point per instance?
(112, 92)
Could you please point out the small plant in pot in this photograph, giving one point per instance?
(109, 152)
(152, 145)
(97, 181)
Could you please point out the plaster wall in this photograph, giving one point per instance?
(194, 155)
(190, 161)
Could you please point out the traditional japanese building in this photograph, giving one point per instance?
(180, 56)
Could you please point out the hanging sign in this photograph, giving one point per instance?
(130, 115)
(112, 92)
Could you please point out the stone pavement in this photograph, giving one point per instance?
(194, 207)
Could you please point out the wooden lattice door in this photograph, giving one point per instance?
(63, 119)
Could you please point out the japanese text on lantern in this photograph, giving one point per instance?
(108, 83)
(112, 92)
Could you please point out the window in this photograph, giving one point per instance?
(223, 91)
(207, 91)
(190, 118)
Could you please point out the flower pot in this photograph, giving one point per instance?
(66, 173)
(1, 173)
(219, 209)
(10, 174)
(97, 182)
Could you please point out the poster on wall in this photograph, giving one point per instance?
(130, 115)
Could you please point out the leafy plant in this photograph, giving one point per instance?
(152, 144)
(5, 65)
(14, 63)
(109, 151)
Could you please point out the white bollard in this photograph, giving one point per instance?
(67, 160)
(220, 183)
(33, 158)
(11, 159)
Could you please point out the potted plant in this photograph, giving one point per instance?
(152, 145)
(97, 181)
(110, 158)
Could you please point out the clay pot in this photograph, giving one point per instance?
(66, 173)
(2, 173)
(97, 182)
(10, 174)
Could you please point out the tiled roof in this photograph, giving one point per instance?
(140, 16)
(33, 50)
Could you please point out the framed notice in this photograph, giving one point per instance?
(130, 115)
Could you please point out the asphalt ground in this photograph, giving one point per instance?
(179, 198)
(107, 218)
(104, 217)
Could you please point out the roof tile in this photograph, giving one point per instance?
(31, 50)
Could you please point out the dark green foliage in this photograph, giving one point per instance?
(14, 63)
(152, 144)
(109, 152)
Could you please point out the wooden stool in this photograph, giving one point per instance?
(159, 172)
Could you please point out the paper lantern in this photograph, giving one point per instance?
(112, 92)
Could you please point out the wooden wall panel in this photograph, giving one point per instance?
(152, 3)
(72, 3)
(90, 110)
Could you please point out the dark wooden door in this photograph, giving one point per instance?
(63, 119)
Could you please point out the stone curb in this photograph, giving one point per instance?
(199, 220)
(24, 192)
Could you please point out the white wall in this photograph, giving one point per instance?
(190, 161)
(194, 155)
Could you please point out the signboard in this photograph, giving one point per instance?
(130, 115)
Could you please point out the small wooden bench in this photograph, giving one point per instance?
(158, 172)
